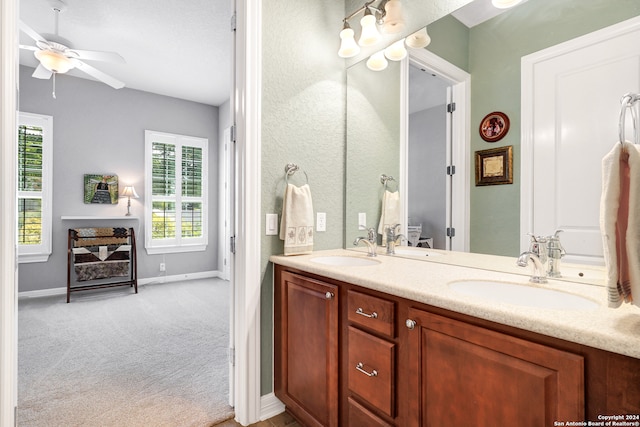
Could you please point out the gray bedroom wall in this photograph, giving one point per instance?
(96, 130)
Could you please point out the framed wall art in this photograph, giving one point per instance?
(494, 126)
(494, 166)
(102, 189)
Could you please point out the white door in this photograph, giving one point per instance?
(570, 111)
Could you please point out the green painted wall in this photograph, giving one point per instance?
(303, 122)
(494, 51)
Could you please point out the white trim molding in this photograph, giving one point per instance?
(270, 406)
(8, 218)
(247, 261)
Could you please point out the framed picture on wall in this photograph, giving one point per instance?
(102, 189)
(494, 126)
(494, 166)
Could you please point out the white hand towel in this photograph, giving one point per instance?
(620, 223)
(296, 225)
(390, 214)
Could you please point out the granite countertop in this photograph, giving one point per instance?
(616, 330)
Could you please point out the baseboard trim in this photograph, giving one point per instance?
(270, 406)
(141, 282)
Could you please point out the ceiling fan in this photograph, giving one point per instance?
(57, 58)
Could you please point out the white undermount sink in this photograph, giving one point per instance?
(346, 261)
(522, 295)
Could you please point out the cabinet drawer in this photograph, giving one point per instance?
(371, 370)
(361, 416)
(371, 312)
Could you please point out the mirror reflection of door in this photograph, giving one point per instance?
(429, 134)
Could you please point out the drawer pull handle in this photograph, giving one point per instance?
(360, 367)
(373, 315)
(328, 295)
(410, 324)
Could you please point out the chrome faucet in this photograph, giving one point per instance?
(371, 241)
(555, 252)
(392, 239)
(538, 254)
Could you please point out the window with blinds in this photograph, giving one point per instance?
(176, 176)
(34, 182)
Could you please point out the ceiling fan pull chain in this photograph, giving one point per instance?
(54, 86)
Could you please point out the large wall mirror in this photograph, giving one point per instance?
(491, 51)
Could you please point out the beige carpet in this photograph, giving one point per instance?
(114, 358)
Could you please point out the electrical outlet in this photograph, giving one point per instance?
(321, 221)
(163, 266)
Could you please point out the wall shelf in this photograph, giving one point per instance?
(94, 217)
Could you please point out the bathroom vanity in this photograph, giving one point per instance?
(386, 341)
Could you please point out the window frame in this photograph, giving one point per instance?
(179, 243)
(42, 251)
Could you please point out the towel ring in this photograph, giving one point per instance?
(292, 168)
(628, 101)
(384, 180)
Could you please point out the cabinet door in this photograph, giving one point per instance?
(306, 348)
(464, 375)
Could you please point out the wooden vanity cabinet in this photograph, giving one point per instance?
(434, 367)
(306, 343)
(464, 375)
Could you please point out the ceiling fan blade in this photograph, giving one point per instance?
(41, 73)
(94, 72)
(31, 32)
(27, 47)
(94, 55)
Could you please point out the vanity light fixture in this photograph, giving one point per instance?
(377, 61)
(387, 14)
(504, 4)
(418, 40)
(396, 52)
(348, 45)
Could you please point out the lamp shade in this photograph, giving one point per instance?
(370, 34)
(129, 191)
(418, 40)
(54, 61)
(393, 21)
(504, 4)
(396, 52)
(348, 45)
(377, 61)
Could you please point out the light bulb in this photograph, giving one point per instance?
(504, 4)
(419, 39)
(396, 52)
(377, 62)
(370, 34)
(393, 21)
(348, 45)
(54, 61)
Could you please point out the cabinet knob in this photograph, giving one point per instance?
(328, 295)
(410, 324)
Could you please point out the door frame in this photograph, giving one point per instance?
(458, 209)
(528, 65)
(8, 220)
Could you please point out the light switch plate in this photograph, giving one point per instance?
(272, 224)
(321, 221)
(362, 221)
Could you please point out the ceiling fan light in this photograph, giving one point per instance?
(377, 61)
(393, 21)
(54, 61)
(370, 34)
(418, 40)
(504, 4)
